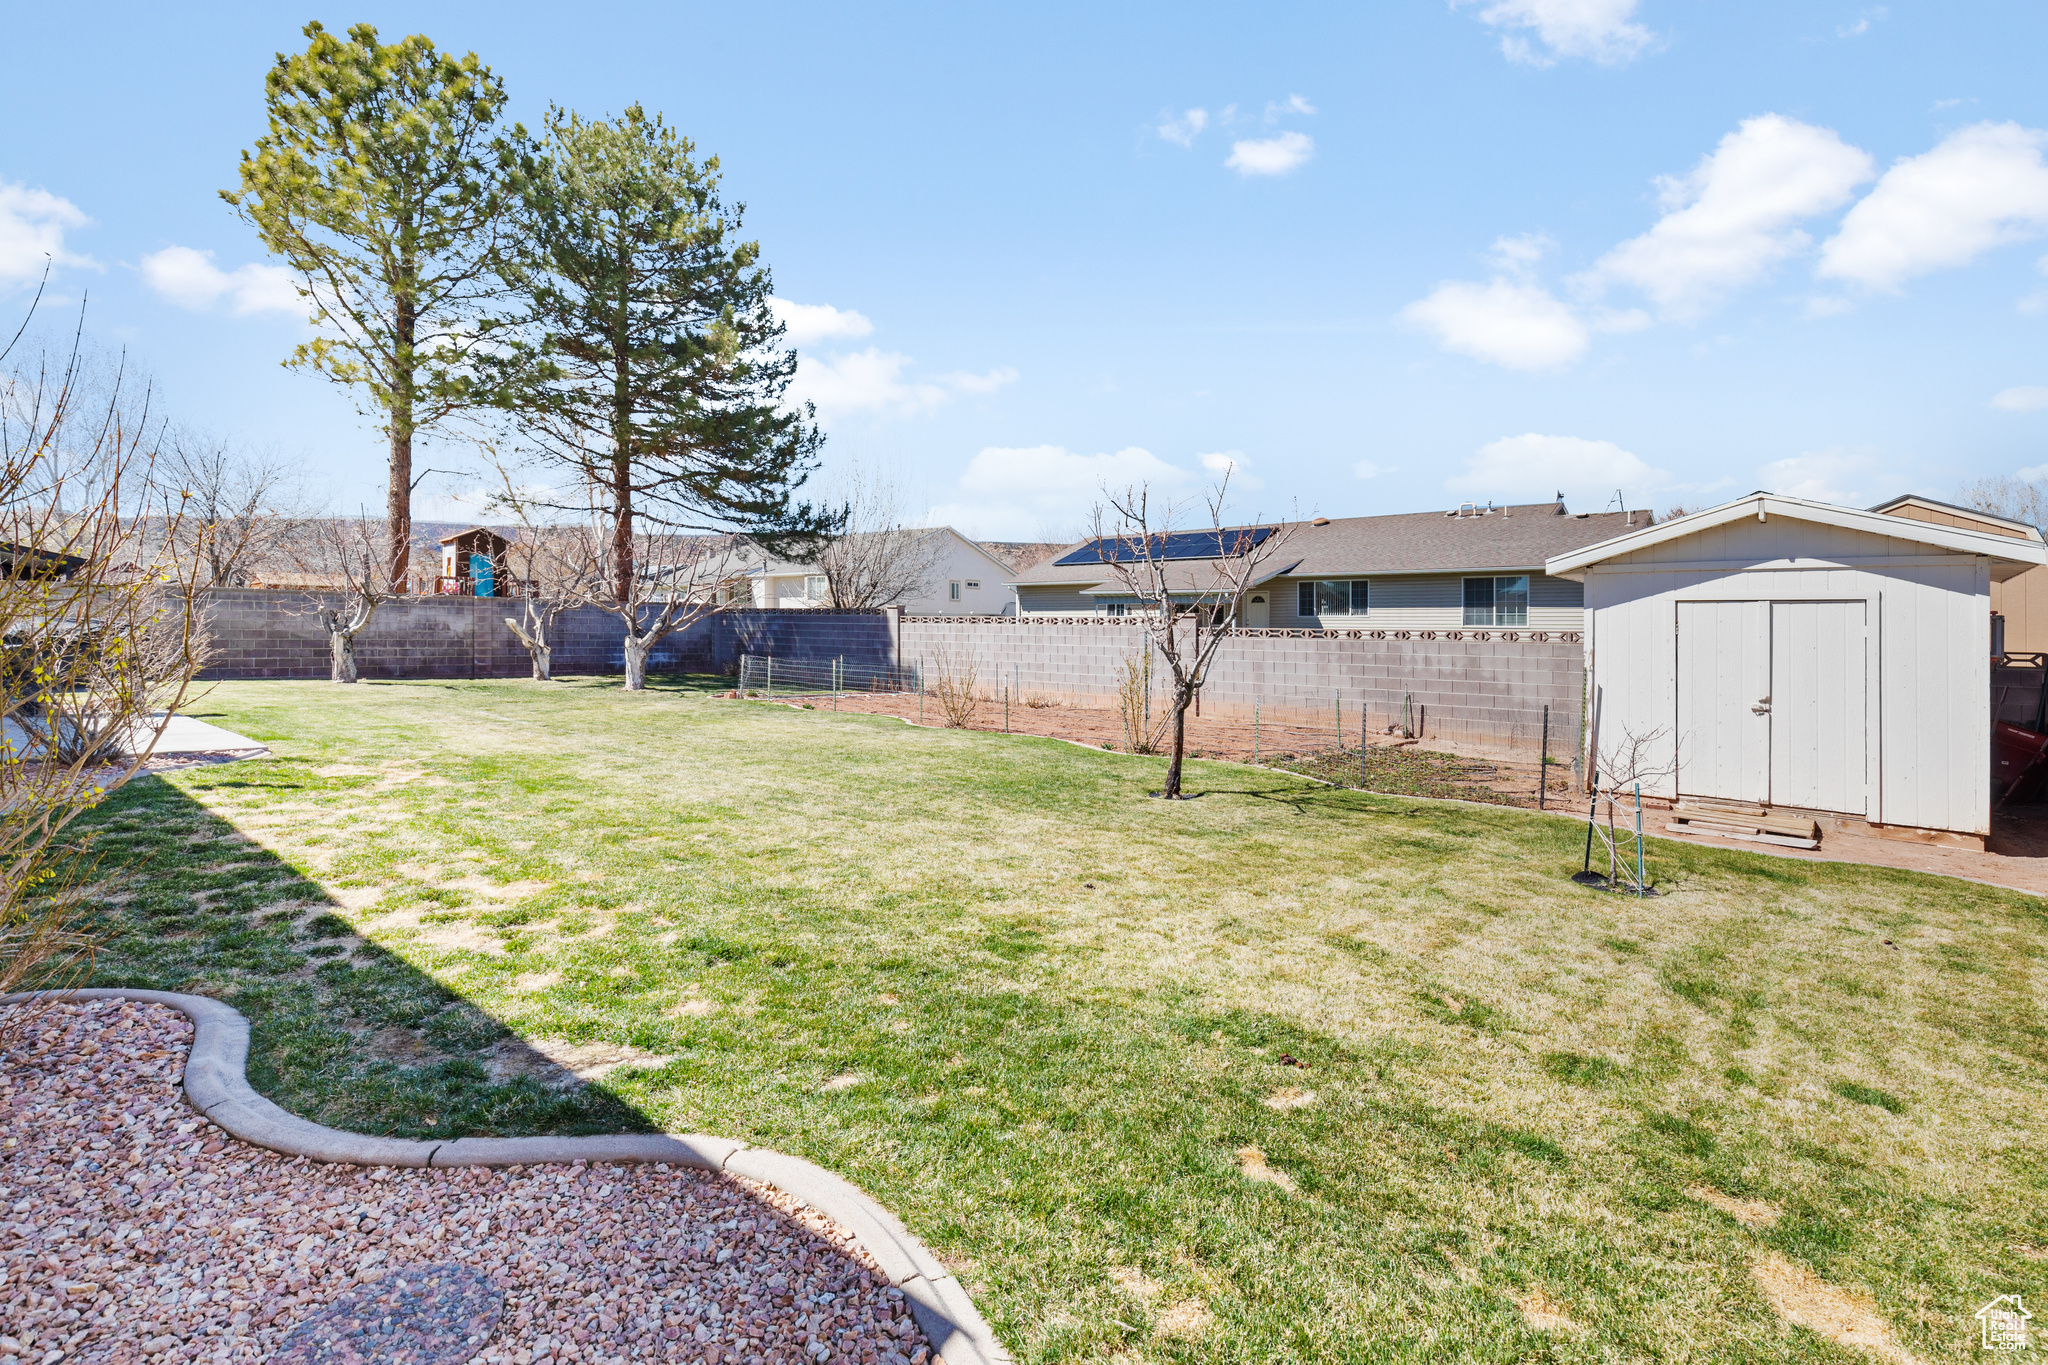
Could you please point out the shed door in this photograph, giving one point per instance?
(1818, 741)
(1724, 723)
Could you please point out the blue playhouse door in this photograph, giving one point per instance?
(480, 575)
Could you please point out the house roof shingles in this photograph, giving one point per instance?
(1520, 538)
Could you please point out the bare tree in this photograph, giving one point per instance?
(878, 559)
(2005, 495)
(1190, 586)
(99, 649)
(345, 557)
(673, 581)
(242, 508)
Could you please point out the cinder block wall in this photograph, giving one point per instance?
(1487, 678)
(264, 633)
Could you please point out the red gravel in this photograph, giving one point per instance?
(131, 1229)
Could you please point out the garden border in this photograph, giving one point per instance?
(215, 1085)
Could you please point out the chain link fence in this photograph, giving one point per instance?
(1527, 753)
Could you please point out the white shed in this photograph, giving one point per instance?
(1793, 654)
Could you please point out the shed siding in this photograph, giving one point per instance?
(1927, 631)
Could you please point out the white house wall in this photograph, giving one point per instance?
(1927, 640)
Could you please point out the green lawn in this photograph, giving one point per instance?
(1057, 1013)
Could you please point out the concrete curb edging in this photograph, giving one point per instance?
(217, 1086)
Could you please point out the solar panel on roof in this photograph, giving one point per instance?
(1211, 544)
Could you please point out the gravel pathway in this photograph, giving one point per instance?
(131, 1229)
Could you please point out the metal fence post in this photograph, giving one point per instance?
(1543, 764)
(1361, 745)
(1255, 727)
(771, 675)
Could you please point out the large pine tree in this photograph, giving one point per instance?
(379, 181)
(646, 362)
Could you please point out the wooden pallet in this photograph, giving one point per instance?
(1754, 823)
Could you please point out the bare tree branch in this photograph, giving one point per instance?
(1190, 586)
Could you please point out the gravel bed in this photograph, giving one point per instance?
(131, 1229)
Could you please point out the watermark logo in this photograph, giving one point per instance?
(2005, 1323)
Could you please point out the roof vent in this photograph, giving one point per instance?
(1320, 521)
(1465, 509)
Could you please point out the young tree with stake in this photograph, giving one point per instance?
(643, 362)
(1189, 604)
(379, 183)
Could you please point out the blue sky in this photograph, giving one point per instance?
(1401, 254)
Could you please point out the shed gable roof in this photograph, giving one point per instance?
(1993, 545)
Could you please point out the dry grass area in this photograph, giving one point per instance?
(1280, 1073)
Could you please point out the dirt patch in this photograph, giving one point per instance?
(1252, 1162)
(401, 1046)
(692, 1009)
(1806, 1300)
(562, 1065)
(1751, 1213)
(1186, 1320)
(846, 1082)
(1542, 1312)
(1134, 1282)
(529, 982)
(1289, 1097)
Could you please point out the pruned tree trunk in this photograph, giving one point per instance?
(342, 630)
(637, 648)
(341, 650)
(1171, 791)
(533, 634)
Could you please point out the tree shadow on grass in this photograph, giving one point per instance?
(342, 1031)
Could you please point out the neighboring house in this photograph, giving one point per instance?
(1472, 567)
(962, 579)
(1780, 653)
(2019, 604)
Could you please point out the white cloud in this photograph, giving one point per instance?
(1732, 217)
(1518, 255)
(2023, 398)
(1183, 130)
(1366, 469)
(1980, 187)
(1848, 476)
(1276, 155)
(1009, 492)
(960, 381)
(1863, 23)
(807, 324)
(1231, 462)
(1518, 325)
(190, 279)
(1296, 104)
(32, 228)
(1532, 468)
(1596, 29)
(880, 382)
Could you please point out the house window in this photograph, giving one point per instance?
(815, 587)
(1113, 608)
(1331, 597)
(973, 583)
(1497, 601)
(953, 591)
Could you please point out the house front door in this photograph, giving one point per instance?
(1258, 612)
